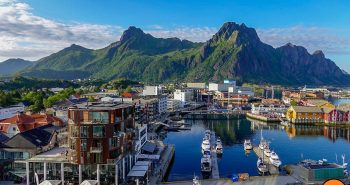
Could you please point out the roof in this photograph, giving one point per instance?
(307, 109)
(100, 106)
(149, 147)
(37, 137)
(344, 107)
(317, 102)
(327, 110)
(3, 137)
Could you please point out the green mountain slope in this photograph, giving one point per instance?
(234, 52)
(13, 65)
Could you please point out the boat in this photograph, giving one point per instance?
(261, 166)
(263, 143)
(285, 123)
(206, 153)
(206, 164)
(219, 148)
(274, 159)
(248, 144)
(196, 180)
(345, 166)
(205, 144)
(267, 152)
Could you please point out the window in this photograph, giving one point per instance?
(98, 131)
(113, 142)
(84, 131)
(73, 144)
(100, 117)
(83, 144)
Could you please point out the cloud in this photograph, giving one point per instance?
(23, 34)
(331, 41)
(195, 34)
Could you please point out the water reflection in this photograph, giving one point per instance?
(291, 143)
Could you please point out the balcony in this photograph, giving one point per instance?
(97, 149)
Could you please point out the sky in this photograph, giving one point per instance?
(32, 29)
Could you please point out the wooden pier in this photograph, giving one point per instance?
(273, 170)
(214, 158)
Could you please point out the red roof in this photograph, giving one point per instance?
(27, 122)
(129, 94)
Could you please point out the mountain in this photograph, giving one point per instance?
(13, 65)
(234, 52)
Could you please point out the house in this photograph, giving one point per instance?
(305, 114)
(16, 150)
(22, 122)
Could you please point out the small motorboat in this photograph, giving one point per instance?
(206, 164)
(219, 148)
(248, 144)
(274, 159)
(205, 144)
(261, 166)
(196, 180)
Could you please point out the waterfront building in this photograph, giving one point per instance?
(102, 135)
(184, 96)
(173, 105)
(305, 114)
(8, 112)
(196, 85)
(23, 122)
(317, 103)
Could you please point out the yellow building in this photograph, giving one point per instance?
(304, 114)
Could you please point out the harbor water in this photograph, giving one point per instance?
(291, 144)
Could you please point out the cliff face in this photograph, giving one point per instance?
(234, 52)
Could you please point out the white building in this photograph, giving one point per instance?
(221, 87)
(184, 96)
(152, 91)
(11, 111)
(245, 91)
(173, 105)
(163, 104)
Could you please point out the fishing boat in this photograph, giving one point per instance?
(261, 166)
(206, 164)
(205, 144)
(219, 148)
(248, 144)
(274, 159)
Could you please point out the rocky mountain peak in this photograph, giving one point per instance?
(131, 32)
(244, 33)
(319, 53)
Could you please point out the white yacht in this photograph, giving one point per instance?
(263, 143)
(267, 152)
(219, 148)
(218, 141)
(206, 164)
(261, 166)
(274, 159)
(196, 180)
(205, 144)
(248, 144)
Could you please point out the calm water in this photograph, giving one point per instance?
(291, 144)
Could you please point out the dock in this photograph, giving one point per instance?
(214, 158)
(273, 170)
(163, 165)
